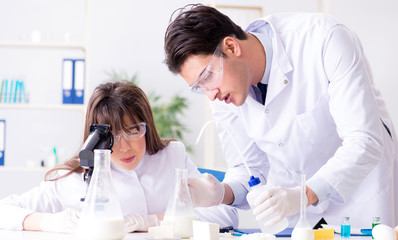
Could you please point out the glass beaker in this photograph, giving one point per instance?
(179, 210)
(101, 217)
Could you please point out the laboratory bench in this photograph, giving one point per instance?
(35, 235)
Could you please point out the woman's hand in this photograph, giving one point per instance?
(62, 222)
(136, 222)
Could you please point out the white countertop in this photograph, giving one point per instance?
(34, 235)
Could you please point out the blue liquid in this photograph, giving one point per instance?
(345, 231)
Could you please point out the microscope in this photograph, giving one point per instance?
(99, 137)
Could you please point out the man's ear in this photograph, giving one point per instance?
(231, 46)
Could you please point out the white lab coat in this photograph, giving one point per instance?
(144, 190)
(322, 117)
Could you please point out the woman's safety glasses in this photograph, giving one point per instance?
(212, 75)
(134, 133)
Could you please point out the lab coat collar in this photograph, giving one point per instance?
(266, 41)
(280, 54)
(281, 64)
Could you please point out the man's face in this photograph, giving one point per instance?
(219, 77)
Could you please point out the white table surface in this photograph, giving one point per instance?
(33, 235)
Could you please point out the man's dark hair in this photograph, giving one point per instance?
(196, 30)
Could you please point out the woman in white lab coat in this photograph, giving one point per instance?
(322, 114)
(142, 167)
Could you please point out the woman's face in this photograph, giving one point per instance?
(127, 154)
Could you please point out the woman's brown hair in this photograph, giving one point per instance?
(109, 104)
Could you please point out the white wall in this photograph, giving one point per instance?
(375, 22)
(22, 179)
(126, 35)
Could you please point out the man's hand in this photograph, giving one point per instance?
(277, 200)
(206, 191)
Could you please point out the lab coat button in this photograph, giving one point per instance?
(280, 144)
(298, 172)
(285, 81)
(267, 110)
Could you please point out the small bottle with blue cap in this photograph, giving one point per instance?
(256, 188)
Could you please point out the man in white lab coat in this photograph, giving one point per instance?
(319, 114)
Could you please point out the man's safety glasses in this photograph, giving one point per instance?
(134, 133)
(212, 75)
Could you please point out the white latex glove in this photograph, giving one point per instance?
(136, 222)
(277, 200)
(61, 222)
(206, 191)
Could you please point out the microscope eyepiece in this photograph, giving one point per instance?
(100, 137)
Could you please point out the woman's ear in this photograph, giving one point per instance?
(231, 46)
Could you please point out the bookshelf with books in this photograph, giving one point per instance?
(33, 79)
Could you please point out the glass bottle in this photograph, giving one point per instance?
(179, 210)
(345, 228)
(255, 189)
(101, 217)
(375, 221)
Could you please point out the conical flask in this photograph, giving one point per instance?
(303, 230)
(179, 210)
(101, 217)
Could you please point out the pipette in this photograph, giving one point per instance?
(232, 139)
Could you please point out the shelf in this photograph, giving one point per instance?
(22, 44)
(23, 168)
(79, 107)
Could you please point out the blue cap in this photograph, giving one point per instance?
(254, 181)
